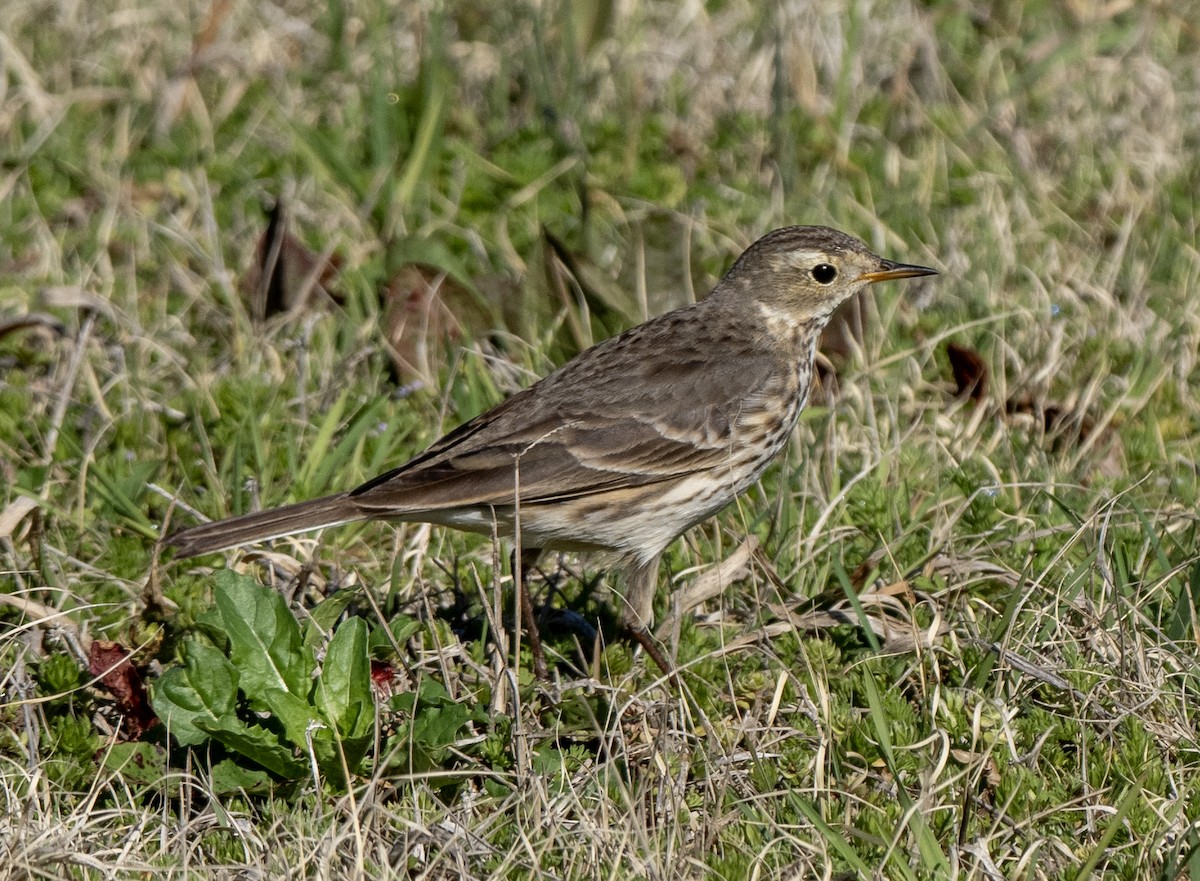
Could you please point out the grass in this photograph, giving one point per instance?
(965, 642)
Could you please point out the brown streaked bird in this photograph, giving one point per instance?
(633, 441)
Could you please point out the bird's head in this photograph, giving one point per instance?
(803, 273)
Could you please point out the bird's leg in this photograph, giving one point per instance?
(637, 613)
(529, 558)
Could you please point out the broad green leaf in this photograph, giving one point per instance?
(436, 723)
(324, 616)
(438, 728)
(344, 687)
(424, 741)
(228, 776)
(257, 744)
(297, 715)
(401, 628)
(204, 689)
(329, 749)
(139, 762)
(264, 639)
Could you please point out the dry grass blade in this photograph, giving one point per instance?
(887, 611)
(711, 583)
(32, 321)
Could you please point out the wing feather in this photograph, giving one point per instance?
(624, 427)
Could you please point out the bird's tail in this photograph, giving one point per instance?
(264, 525)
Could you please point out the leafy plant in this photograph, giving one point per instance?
(255, 687)
(263, 697)
(433, 720)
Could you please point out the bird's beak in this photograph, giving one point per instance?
(890, 270)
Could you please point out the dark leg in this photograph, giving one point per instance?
(637, 613)
(642, 637)
(529, 558)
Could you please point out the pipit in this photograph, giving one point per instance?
(630, 443)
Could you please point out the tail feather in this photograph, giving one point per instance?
(221, 535)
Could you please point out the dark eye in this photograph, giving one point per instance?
(824, 273)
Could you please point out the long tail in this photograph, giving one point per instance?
(263, 525)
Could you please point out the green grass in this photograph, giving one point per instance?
(967, 642)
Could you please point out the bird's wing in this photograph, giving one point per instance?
(604, 423)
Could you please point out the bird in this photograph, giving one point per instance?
(629, 444)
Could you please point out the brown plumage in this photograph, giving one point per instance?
(632, 442)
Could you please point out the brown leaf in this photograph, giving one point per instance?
(846, 329)
(970, 371)
(1060, 422)
(990, 778)
(840, 339)
(420, 319)
(177, 91)
(824, 389)
(110, 661)
(207, 35)
(1057, 419)
(286, 275)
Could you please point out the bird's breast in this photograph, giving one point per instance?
(765, 426)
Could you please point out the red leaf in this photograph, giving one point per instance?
(110, 661)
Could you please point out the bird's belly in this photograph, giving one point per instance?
(639, 522)
(636, 522)
(542, 526)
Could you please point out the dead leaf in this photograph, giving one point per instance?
(1062, 423)
(844, 334)
(286, 276)
(886, 609)
(421, 318)
(20, 508)
(1057, 420)
(110, 662)
(841, 338)
(888, 612)
(990, 778)
(50, 618)
(824, 388)
(174, 94)
(970, 371)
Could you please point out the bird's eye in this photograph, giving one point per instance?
(824, 273)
